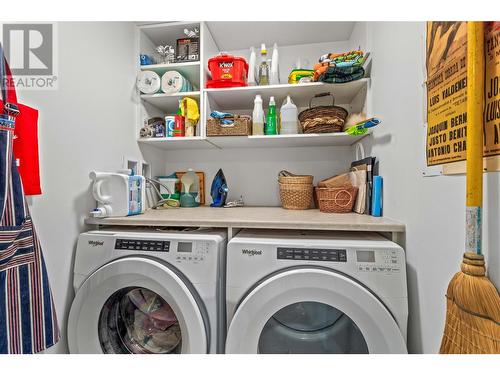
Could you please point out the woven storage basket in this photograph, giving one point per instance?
(295, 180)
(240, 126)
(285, 177)
(338, 200)
(296, 196)
(322, 119)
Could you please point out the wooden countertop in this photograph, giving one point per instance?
(255, 217)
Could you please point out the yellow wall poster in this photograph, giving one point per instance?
(492, 89)
(446, 63)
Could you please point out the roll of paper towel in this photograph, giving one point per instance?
(173, 82)
(148, 82)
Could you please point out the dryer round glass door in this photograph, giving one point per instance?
(312, 310)
(311, 327)
(137, 305)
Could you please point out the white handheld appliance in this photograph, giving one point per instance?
(118, 194)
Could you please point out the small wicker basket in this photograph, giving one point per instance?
(242, 125)
(296, 196)
(338, 200)
(322, 119)
(295, 180)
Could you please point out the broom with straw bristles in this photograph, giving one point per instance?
(473, 303)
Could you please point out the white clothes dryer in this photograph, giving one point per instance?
(315, 292)
(148, 291)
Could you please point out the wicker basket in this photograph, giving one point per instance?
(295, 180)
(322, 119)
(296, 196)
(338, 200)
(242, 125)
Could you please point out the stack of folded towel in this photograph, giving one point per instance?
(340, 67)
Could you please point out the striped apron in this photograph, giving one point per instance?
(28, 322)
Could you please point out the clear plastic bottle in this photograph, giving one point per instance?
(263, 66)
(258, 117)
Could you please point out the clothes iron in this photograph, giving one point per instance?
(219, 190)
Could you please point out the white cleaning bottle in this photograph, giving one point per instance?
(275, 75)
(251, 68)
(289, 117)
(258, 117)
(118, 194)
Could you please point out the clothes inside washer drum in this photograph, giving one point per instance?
(285, 333)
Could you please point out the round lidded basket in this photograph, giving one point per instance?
(296, 196)
(323, 119)
(286, 177)
(336, 200)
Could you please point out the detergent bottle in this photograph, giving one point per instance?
(271, 126)
(118, 194)
(258, 117)
(289, 117)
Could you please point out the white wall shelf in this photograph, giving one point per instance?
(243, 97)
(168, 102)
(286, 140)
(177, 143)
(190, 70)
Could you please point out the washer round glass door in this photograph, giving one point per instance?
(312, 310)
(136, 305)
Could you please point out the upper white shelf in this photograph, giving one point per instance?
(177, 143)
(168, 102)
(190, 70)
(243, 97)
(286, 140)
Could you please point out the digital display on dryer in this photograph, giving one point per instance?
(328, 255)
(142, 245)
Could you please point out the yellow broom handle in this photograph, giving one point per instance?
(475, 100)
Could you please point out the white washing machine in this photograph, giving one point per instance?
(315, 292)
(148, 291)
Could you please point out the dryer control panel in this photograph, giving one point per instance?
(377, 261)
(324, 255)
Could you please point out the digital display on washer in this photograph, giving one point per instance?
(365, 256)
(330, 255)
(185, 247)
(142, 245)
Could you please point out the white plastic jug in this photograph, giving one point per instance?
(289, 117)
(118, 194)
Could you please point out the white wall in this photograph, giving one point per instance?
(431, 207)
(253, 173)
(87, 124)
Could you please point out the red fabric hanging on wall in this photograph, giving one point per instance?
(26, 142)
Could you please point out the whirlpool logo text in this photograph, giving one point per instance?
(96, 243)
(251, 252)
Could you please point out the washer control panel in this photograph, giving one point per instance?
(377, 261)
(142, 245)
(328, 255)
(192, 252)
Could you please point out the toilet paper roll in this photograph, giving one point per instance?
(173, 82)
(148, 82)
